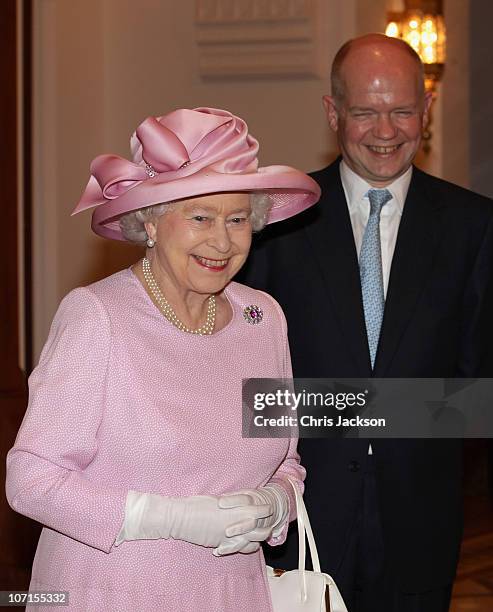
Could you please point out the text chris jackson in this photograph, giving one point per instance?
(308, 420)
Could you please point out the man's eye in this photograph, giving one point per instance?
(361, 115)
(199, 218)
(404, 113)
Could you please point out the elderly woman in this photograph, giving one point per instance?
(131, 453)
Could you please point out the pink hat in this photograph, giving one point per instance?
(184, 154)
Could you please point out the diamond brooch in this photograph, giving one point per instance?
(253, 314)
(150, 171)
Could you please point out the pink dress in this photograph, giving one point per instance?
(123, 400)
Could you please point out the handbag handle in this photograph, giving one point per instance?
(304, 530)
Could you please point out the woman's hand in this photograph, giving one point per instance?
(198, 519)
(245, 536)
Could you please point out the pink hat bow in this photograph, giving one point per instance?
(171, 147)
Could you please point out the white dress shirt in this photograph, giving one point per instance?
(355, 189)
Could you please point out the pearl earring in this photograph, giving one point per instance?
(150, 242)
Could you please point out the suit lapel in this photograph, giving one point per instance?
(332, 240)
(412, 262)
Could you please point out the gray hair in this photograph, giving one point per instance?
(133, 229)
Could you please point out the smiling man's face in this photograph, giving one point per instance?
(381, 115)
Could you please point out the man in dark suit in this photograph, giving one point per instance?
(388, 276)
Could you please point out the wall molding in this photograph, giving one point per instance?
(45, 244)
(238, 39)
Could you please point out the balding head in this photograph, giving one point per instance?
(373, 51)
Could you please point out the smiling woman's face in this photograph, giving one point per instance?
(202, 242)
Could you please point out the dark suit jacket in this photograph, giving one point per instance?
(437, 323)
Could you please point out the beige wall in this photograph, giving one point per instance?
(455, 92)
(101, 66)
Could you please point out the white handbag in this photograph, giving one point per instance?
(304, 590)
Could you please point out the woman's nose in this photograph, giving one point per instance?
(219, 237)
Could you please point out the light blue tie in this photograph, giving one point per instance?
(370, 270)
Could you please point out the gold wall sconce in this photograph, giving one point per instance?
(421, 25)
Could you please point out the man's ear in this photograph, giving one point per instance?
(426, 112)
(331, 112)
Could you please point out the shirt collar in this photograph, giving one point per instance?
(355, 188)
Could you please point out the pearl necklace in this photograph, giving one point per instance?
(165, 307)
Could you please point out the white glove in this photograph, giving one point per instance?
(197, 519)
(245, 536)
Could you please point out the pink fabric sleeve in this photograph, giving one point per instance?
(58, 438)
(290, 467)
